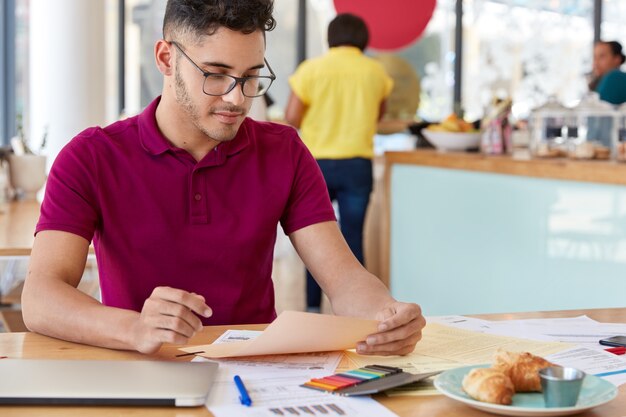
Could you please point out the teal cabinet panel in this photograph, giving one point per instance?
(466, 242)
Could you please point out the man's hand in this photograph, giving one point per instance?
(400, 328)
(168, 317)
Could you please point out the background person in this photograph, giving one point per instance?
(336, 101)
(608, 80)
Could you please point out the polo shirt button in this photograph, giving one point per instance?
(198, 197)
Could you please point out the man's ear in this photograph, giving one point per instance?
(164, 57)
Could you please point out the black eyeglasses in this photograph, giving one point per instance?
(216, 84)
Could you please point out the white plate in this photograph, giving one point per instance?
(594, 392)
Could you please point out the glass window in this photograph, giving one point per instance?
(527, 50)
(144, 20)
(13, 66)
(21, 59)
(524, 49)
(613, 29)
(432, 57)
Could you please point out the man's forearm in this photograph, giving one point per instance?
(59, 310)
(361, 294)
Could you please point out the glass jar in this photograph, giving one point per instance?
(552, 124)
(596, 134)
(620, 146)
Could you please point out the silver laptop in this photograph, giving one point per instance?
(181, 384)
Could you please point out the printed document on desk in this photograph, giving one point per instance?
(443, 347)
(525, 328)
(295, 332)
(280, 394)
(321, 363)
(581, 332)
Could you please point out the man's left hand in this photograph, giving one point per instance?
(400, 328)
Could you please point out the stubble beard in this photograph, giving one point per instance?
(183, 98)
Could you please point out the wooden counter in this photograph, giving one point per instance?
(606, 172)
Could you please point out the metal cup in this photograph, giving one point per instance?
(561, 386)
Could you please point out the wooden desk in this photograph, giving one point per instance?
(17, 226)
(29, 345)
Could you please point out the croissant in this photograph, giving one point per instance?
(489, 385)
(522, 368)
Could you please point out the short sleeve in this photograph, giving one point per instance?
(299, 83)
(70, 202)
(308, 201)
(612, 87)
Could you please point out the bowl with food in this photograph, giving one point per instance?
(452, 141)
(452, 134)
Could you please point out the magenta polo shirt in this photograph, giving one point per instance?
(157, 217)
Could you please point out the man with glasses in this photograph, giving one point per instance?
(182, 203)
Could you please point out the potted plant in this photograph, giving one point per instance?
(27, 168)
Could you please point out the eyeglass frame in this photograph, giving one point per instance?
(237, 80)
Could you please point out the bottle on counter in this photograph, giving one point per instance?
(497, 129)
(620, 145)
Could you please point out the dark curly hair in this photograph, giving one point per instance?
(204, 17)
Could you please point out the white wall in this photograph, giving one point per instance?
(67, 70)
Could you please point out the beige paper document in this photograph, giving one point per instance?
(444, 347)
(295, 332)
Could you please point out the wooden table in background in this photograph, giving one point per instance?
(17, 227)
(34, 346)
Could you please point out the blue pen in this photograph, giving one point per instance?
(244, 397)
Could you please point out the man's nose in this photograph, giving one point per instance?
(235, 96)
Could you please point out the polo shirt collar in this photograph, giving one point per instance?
(150, 136)
(345, 49)
(155, 143)
(240, 141)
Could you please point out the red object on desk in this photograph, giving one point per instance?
(617, 350)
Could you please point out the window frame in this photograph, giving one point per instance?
(7, 71)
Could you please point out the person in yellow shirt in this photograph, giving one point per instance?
(336, 101)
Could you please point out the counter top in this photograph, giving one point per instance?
(606, 172)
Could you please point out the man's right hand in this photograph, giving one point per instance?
(168, 317)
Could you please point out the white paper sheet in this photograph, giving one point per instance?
(274, 391)
(582, 332)
(594, 362)
(232, 335)
(324, 362)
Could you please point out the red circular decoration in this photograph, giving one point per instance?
(392, 24)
